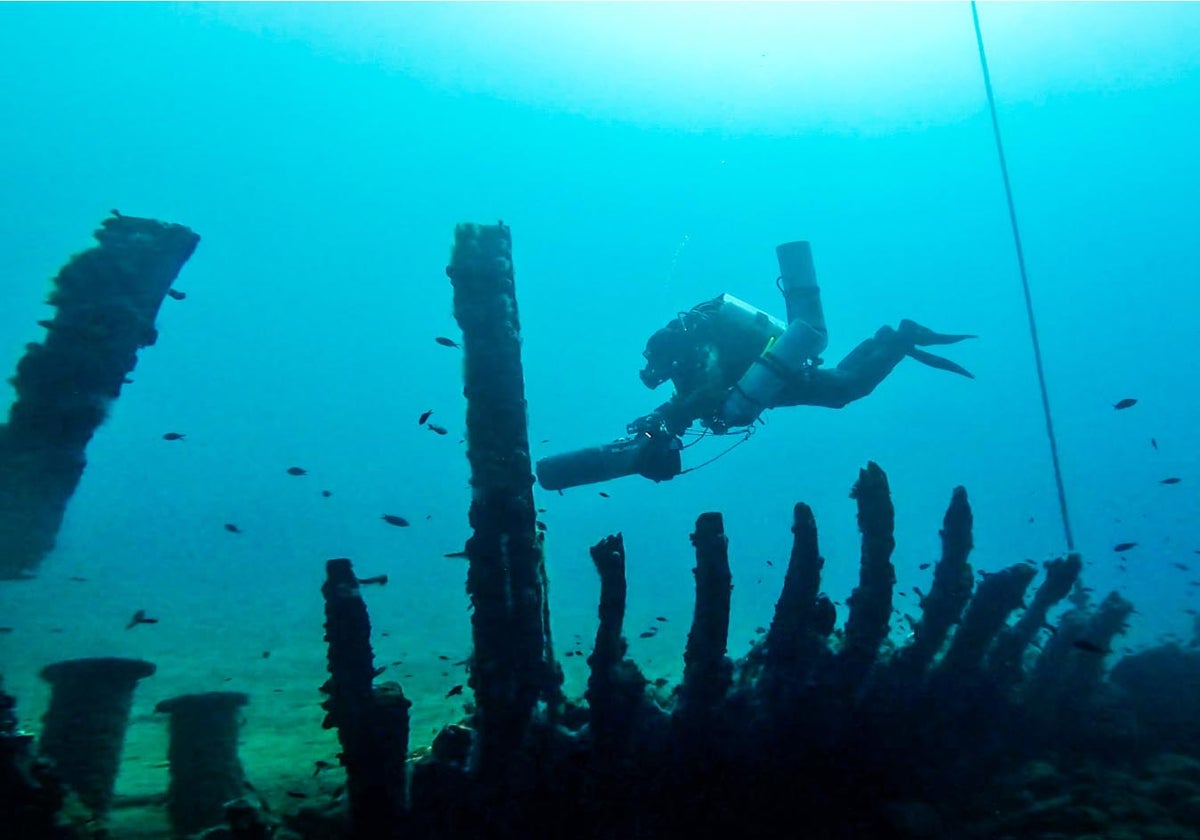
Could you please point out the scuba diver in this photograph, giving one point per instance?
(729, 362)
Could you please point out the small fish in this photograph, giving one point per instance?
(321, 765)
(769, 563)
(436, 429)
(760, 629)
(455, 691)
(446, 342)
(231, 528)
(326, 493)
(924, 566)
(140, 617)
(5, 630)
(174, 436)
(377, 580)
(424, 416)
(569, 653)
(604, 495)
(1154, 443)
(297, 471)
(1125, 546)
(660, 618)
(541, 526)
(646, 634)
(456, 554)
(295, 794)
(1089, 647)
(1183, 567)
(266, 654)
(175, 294)
(443, 657)
(1171, 480)
(1128, 402)
(541, 510)
(392, 519)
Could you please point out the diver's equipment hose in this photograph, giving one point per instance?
(1033, 333)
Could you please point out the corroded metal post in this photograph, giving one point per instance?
(943, 607)
(871, 601)
(506, 577)
(793, 640)
(707, 671)
(106, 299)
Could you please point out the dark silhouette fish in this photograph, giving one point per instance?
(297, 471)
(646, 634)
(1125, 546)
(455, 691)
(1171, 480)
(1154, 443)
(392, 519)
(424, 416)
(378, 580)
(174, 436)
(175, 294)
(436, 429)
(231, 528)
(457, 554)
(140, 617)
(1128, 402)
(446, 342)
(923, 566)
(541, 526)
(604, 495)
(1089, 647)
(326, 493)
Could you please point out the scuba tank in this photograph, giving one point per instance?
(786, 357)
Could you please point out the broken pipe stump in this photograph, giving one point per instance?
(793, 639)
(1005, 660)
(106, 300)
(871, 601)
(707, 671)
(84, 727)
(372, 752)
(203, 755)
(943, 607)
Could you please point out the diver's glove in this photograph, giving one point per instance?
(651, 424)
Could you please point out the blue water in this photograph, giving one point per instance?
(646, 158)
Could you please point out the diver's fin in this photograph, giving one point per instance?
(940, 362)
(924, 337)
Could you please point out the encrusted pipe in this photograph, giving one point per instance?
(83, 730)
(707, 671)
(793, 637)
(995, 599)
(950, 591)
(1005, 660)
(871, 602)
(202, 751)
(106, 301)
(615, 686)
(373, 750)
(506, 577)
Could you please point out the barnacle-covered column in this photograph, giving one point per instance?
(83, 731)
(506, 577)
(995, 598)
(942, 608)
(871, 601)
(792, 640)
(616, 686)
(205, 770)
(707, 671)
(106, 300)
(372, 723)
(1005, 658)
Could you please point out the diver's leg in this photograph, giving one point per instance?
(855, 376)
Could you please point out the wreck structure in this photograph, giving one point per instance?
(106, 300)
(832, 732)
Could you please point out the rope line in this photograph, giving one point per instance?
(1033, 333)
